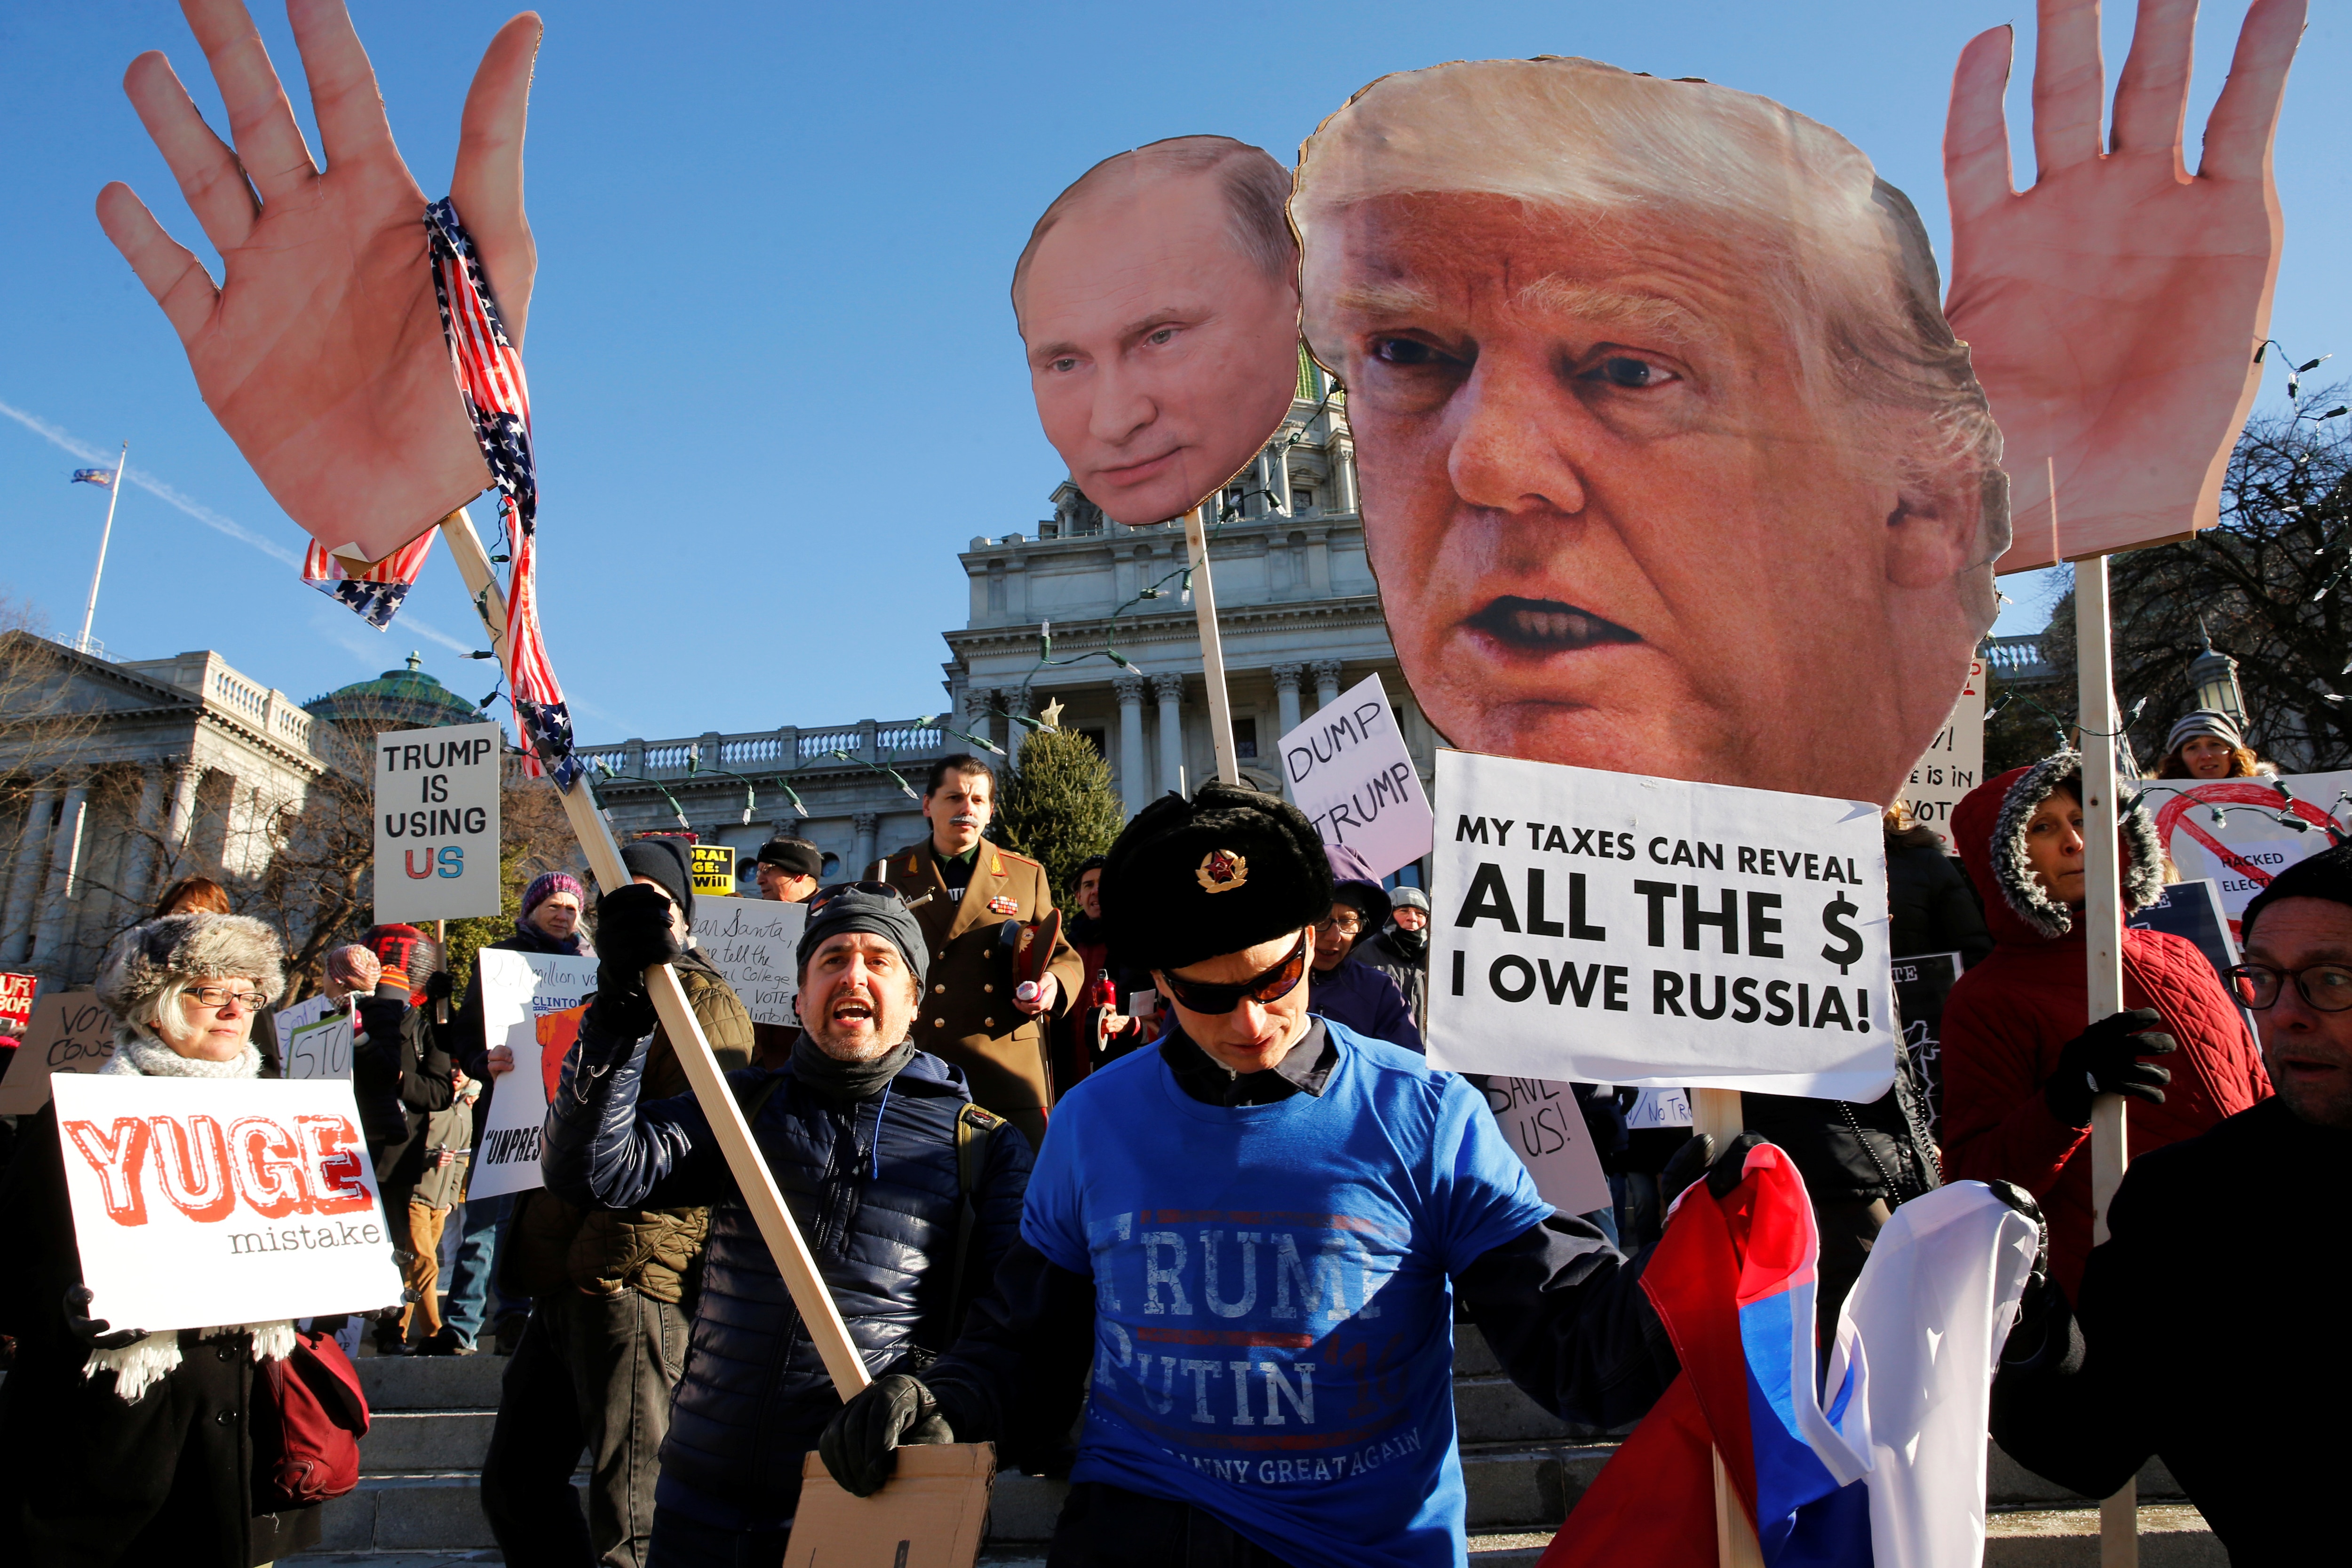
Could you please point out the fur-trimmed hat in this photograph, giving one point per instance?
(2143, 871)
(1218, 873)
(146, 958)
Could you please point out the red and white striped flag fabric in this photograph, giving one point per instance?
(374, 589)
(489, 373)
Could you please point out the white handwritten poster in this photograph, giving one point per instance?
(1349, 771)
(1547, 1131)
(527, 999)
(751, 941)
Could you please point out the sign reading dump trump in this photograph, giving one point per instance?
(198, 1201)
(1349, 770)
(521, 992)
(1607, 928)
(436, 822)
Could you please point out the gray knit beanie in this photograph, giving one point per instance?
(2204, 721)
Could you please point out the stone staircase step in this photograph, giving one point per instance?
(431, 1382)
(2171, 1535)
(401, 1441)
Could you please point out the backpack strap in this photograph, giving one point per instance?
(974, 1128)
(752, 1107)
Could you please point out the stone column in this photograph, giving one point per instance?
(65, 866)
(1170, 689)
(1287, 677)
(24, 874)
(139, 861)
(184, 786)
(979, 712)
(1134, 789)
(1343, 469)
(1014, 700)
(1327, 682)
(862, 855)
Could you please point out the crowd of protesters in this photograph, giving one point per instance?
(1276, 982)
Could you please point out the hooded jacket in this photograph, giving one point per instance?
(2010, 1016)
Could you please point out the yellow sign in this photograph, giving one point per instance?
(714, 869)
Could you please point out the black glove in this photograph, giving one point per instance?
(860, 1445)
(439, 987)
(1698, 1157)
(2104, 1059)
(93, 1334)
(632, 934)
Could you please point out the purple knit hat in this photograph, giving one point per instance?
(546, 885)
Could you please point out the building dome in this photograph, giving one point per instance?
(398, 700)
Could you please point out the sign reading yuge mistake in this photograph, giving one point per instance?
(1608, 928)
(436, 822)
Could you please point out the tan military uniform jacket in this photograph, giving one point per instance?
(968, 1017)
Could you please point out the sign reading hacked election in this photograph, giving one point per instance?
(222, 1200)
(1607, 928)
(1349, 770)
(751, 942)
(436, 822)
(518, 990)
(2242, 833)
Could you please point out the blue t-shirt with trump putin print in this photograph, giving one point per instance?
(1274, 1319)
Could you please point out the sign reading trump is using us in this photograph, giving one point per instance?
(1604, 928)
(199, 1202)
(436, 822)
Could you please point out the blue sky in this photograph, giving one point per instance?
(775, 374)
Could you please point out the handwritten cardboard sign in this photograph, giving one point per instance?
(203, 1201)
(1545, 1129)
(314, 1039)
(1658, 1108)
(1608, 928)
(1953, 762)
(751, 942)
(436, 822)
(17, 996)
(69, 1033)
(519, 991)
(1349, 771)
(2242, 833)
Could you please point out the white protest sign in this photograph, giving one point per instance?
(1349, 770)
(70, 1033)
(1953, 762)
(1544, 1128)
(1608, 928)
(1657, 1109)
(751, 941)
(436, 822)
(314, 1039)
(2248, 844)
(203, 1201)
(521, 991)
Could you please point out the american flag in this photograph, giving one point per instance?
(489, 373)
(374, 590)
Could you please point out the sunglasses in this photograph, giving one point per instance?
(1268, 986)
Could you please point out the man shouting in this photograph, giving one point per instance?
(1254, 1233)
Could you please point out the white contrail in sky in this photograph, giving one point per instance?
(198, 510)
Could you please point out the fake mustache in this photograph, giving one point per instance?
(966, 819)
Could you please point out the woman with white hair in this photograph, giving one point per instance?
(124, 1447)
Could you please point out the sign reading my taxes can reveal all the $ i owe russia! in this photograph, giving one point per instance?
(1609, 928)
(436, 822)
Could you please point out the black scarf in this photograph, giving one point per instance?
(848, 1081)
(1409, 945)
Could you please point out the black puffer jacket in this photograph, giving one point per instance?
(1931, 908)
(754, 1394)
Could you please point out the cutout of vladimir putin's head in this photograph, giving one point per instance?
(1158, 302)
(1669, 462)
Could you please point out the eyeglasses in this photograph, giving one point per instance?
(2326, 986)
(1268, 986)
(218, 996)
(1349, 926)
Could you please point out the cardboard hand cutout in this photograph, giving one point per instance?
(1157, 306)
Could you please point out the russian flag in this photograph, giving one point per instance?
(1830, 1470)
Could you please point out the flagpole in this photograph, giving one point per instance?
(90, 610)
(1717, 1113)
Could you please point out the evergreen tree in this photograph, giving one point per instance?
(1059, 807)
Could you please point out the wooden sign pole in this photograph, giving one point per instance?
(2103, 929)
(1212, 649)
(1716, 1113)
(757, 1182)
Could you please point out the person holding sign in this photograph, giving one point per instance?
(1239, 1245)
(2021, 1070)
(2209, 1327)
(126, 1447)
(907, 1193)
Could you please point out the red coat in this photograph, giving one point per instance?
(2009, 1017)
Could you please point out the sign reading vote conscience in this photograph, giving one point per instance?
(70, 1033)
(1349, 771)
(199, 1202)
(1610, 929)
(521, 990)
(751, 942)
(436, 822)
